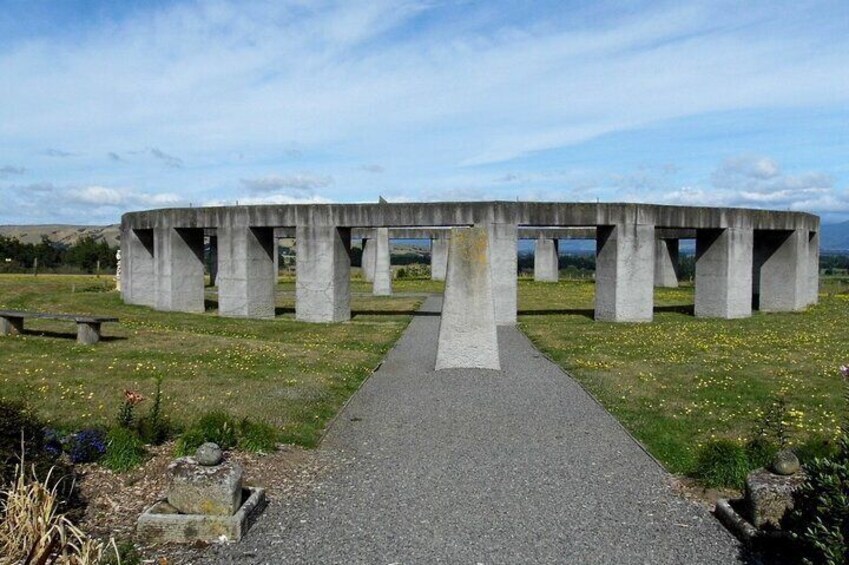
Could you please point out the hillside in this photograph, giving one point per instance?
(59, 233)
(835, 237)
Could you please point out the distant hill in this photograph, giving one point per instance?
(835, 237)
(62, 233)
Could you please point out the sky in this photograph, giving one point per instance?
(108, 107)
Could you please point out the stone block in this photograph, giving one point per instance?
(196, 489)
(770, 496)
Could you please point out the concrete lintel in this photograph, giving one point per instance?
(724, 273)
(625, 273)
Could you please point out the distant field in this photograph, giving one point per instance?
(680, 381)
(289, 374)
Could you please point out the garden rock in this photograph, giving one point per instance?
(199, 489)
(209, 454)
(770, 496)
(785, 463)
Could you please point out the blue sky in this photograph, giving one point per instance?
(107, 107)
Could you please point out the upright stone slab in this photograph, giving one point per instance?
(625, 273)
(368, 259)
(546, 260)
(212, 260)
(138, 277)
(503, 263)
(813, 267)
(666, 263)
(781, 282)
(467, 330)
(246, 277)
(382, 283)
(323, 270)
(723, 273)
(179, 273)
(438, 258)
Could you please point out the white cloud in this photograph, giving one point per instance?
(303, 182)
(269, 199)
(119, 197)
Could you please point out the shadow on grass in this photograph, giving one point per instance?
(686, 309)
(68, 335)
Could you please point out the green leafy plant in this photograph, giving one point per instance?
(760, 452)
(127, 414)
(257, 436)
(216, 426)
(721, 463)
(155, 428)
(124, 450)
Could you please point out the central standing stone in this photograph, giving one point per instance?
(467, 333)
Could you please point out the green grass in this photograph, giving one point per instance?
(292, 375)
(681, 381)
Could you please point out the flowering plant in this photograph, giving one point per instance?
(126, 414)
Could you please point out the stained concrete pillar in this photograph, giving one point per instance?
(178, 267)
(138, 279)
(246, 276)
(624, 273)
(666, 263)
(438, 258)
(322, 271)
(813, 267)
(723, 273)
(467, 329)
(212, 263)
(503, 262)
(546, 260)
(780, 272)
(276, 255)
(382, 283)
(368, 259)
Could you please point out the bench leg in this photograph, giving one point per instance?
(88, 333)
(11, 325)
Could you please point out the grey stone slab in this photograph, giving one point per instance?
(782, 270)
(438, 258)
(467, 334)
(246, 275)
(503, 266)
(625, 273)
(546, 260)
(322, 273)
(382, 283)
(724, 273)
(477, 466)
(368, 259)
(666, 263)
(178, 269)
(138, 283)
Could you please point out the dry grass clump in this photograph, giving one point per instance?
(33, 531)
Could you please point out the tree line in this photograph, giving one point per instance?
(46, 255)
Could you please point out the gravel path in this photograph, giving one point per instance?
(477, 466)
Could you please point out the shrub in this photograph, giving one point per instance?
(87, 446)
(721, 463)
(124, 450)
(216, 426)
(257, 436)
(760, 452)
(154, 428)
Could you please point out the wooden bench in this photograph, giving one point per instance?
(88, 327)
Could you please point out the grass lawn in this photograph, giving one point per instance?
(681, 381)
(292, 375)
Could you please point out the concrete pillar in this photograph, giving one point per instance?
(276, 258)
(780, 274)
(368, 259)
(382, 283)
(666, 263)
(323, 270)
(246, 272)
(438, 258)
(467, 330)
(212, 262)
(723, 273)
(178, 266)
(624, 273)
(138, 280)
(546, 260)
(503, 262)
(813, 267)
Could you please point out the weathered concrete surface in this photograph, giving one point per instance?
(178, 269)
(198, 489)
(246, 275)
(368, 259)
(813, 268)
(438, 258)
(161, 523)
(770, 496)
(467, 335)
(323, 270)
(781, 270)
(138, 285)
(382, 283)
(724, 273)
(625, 273)
(212, 259)
(503, 266)
(666, 263)
(546, 260)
